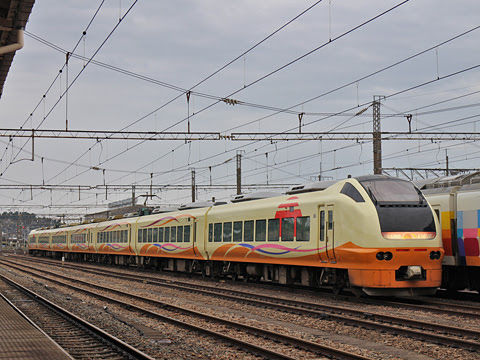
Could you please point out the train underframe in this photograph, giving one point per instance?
(315, 277)
(335, 278)
(461, 277)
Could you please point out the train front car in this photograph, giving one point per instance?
(396, 249)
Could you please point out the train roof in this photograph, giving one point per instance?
(449, 181)
(322, 185)
(255, 196)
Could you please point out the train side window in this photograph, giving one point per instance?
(227, 232)
(173, 234)
(350, 190)
(217, 232)
(179, 233)
(160, 234)
(322, 225)
(287, 229)
(210, 232)
(261, 230)
(303, 228)
(186, 233)
(248, 230)
(149, 236)
(167, 234)
(237, 231)
(330, 219)
(145, 235)
(155, 235)
(273, 229)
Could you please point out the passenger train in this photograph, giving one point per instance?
(456, 201)
(375, 235)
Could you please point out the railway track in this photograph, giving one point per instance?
(425, 304)
(290, 342)
(438, 334)
(76, 336)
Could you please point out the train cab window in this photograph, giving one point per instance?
(322, 225)
(237, 231)
(350, 190)
(287, 229)
(227, 232)
(273, 229)
(248, 230)
(303, 228)
(167, 235)
(186, 233)
(155, 235)
(260, 230)
(210, 232)
(160, 234)
(217, 233)
(173, 234)
(330, 219)
(179, 233)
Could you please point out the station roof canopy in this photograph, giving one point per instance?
(14, 15)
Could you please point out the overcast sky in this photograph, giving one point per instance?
(168, 47)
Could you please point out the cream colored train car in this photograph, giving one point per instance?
(373, 234)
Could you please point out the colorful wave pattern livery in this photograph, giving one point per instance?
(113, 226)
(116, 247)
(275, 249)
(168, 219)
(170, 247)
(82, 246)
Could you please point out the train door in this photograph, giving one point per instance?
(193, 234)
(322, 210)
(326, 232)
(330, 238)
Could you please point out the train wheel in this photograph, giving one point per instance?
(337, 289)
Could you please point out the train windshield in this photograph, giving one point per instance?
(392, 191)
(402, 210)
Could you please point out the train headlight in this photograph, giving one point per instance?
(380, 255)
(435, 255)
(388, 256)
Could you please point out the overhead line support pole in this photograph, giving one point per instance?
(377, 136)
(239, 172)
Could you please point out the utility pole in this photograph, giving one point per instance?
(377, 136)
(446, 162)
(239, 172)
(133, 195)
(193, 185)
